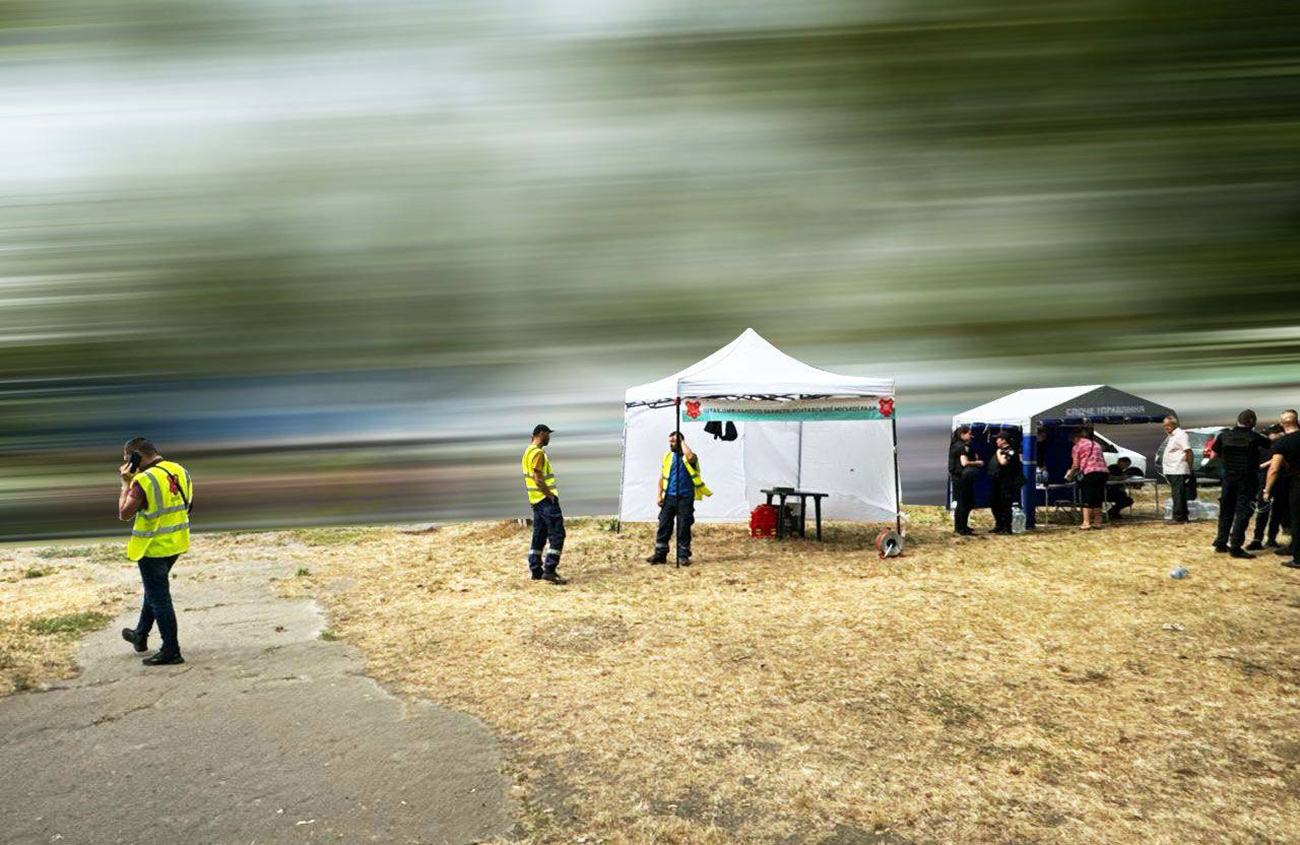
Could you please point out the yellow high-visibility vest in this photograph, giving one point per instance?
(162, 525)
(535, 494)
(693, 471)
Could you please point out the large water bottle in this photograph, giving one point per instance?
(1017, 520)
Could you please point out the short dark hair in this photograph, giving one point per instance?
(1124, 459)
(143, 445)
(1080, 433)
(1247, 418)
(959, 431)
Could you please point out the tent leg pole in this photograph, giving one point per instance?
(898, 485)
(1029, 466)
(677, 561)
(622, 474)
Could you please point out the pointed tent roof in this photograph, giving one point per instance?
(1095, 402)
(750, 366)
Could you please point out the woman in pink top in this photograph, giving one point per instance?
(1090, 465)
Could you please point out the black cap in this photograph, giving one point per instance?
(542, 429)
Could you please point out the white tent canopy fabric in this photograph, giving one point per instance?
(853, 460)
(749, 365)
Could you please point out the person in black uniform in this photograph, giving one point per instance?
(1008, 477)
(1284, 470)
(1117, 494)
(1275, 517)
(1241, 449)
(963, 469)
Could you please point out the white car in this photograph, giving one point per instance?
(1112, 452)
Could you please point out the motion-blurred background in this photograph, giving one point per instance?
(338, 257)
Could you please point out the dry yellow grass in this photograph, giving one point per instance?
(1055, 687)
(49, 596)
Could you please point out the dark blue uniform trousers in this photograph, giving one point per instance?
(548, 526)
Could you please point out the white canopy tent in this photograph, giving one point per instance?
(797, 426)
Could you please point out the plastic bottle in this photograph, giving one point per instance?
(1180, 573)
(1017, 520)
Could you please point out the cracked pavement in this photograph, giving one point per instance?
(267, 734)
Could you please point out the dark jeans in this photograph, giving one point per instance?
(1235, 498)
(1178, 485)
(548, 526)
(682, 510)
(155, 573)
(1277, 517)
(963, 490)
(1293, 493)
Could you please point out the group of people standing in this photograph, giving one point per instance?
(1006, 471)
(1260, 477)
(1260, 474)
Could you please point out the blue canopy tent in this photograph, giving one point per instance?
(1042, 419)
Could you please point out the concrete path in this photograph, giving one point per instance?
(267, 735)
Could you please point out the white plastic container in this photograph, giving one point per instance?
(1017, 521)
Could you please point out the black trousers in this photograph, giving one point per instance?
(548, 526)
(1119, 498)
(963, 490)
(1005, 497)
(1278, 516)
(1293, 492)
(1178, 485)
(1235, 498)
(679, 509)
(155, 574)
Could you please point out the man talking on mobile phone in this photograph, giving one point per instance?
(158, 494)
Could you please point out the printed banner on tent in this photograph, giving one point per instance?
(838, 408)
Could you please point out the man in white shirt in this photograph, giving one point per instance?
(1177, 467)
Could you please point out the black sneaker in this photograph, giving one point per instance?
(1291, 564)
(1284, 551)
(164, 658)
(655, 560)
(1271, 544)
(965, 532)
(552, 577)
(138, 642)
(537, 574)
(1240, 554)
(1222, 550)
(1254, 546)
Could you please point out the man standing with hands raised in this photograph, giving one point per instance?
(680, 485)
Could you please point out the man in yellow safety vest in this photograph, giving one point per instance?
(548, 520)
(680, 485)
(158, 494)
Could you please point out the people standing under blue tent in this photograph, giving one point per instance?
(1089, 466)
(1008, 476)
(963, 468)
(1241, 450)
(1276, 516)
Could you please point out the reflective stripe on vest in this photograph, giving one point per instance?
(548, 475)
(162, 525)
(692, 470)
